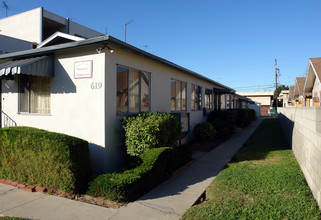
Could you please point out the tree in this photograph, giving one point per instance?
(279, 89)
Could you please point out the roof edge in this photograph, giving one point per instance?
(102, 39)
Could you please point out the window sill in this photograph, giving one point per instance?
(178, 111)
(33, 114)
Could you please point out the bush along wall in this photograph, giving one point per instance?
(42, 158)
(150, 130)
(243, 117)
(204, 131)
(222, 128)
(151, 168)
(224, 122)
(151, 142)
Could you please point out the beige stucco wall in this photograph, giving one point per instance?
(25, 26)
(316, 88)
(262, 100)
(302, 127)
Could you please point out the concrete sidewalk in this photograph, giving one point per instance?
(167, 201)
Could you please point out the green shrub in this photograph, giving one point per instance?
(222, 128)
(39, 157)
(150, 130)
(204, 131)
(252, 114)
(229, 116)
(152, 167)
(243, 117)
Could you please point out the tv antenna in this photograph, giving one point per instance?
(6, 7)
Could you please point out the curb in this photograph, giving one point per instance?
(23, 186)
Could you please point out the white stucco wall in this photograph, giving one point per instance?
(25, 26)
(76, 108)
(161, 76)
(79, 110)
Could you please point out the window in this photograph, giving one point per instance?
(34, 94)
(133, 89)
(217, 101)
(228, 102)
(178, 95)
(208, 99)
(223, 101)
(196, 97)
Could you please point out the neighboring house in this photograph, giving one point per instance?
(291, 101)
(264, 98)
(83, 87)
(284, 98)
(298, 91)
(312, 86)
(10, 44)
(38, 24)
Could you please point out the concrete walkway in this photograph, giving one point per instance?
(167, 201)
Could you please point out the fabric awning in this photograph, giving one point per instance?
(37, 66)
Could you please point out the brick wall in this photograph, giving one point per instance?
(302, 126)
(264, 110)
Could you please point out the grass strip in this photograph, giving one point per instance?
(263, 181)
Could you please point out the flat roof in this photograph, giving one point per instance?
(256, 93)
(104, 40)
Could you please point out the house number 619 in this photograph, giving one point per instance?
(96, 85)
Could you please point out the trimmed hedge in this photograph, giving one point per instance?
(243, 117)
(204, 131)
(229, 116)
(151, 168)
(42, 158)
(150, 130)
(252, 114)
(222, 128)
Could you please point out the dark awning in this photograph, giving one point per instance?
(223, 90)
(37, 66)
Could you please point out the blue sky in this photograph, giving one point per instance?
(233, 42)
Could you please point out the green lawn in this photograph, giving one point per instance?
(264, 181)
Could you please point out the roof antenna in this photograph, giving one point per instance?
(6, 7)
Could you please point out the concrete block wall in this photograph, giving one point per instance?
(302, 126)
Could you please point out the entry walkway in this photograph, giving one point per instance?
(167, 201)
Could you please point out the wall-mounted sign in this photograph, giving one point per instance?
(83, 69)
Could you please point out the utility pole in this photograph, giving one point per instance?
(276, 84)
(126, 28)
